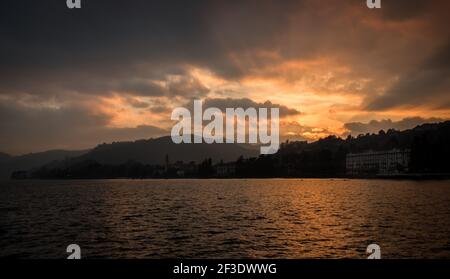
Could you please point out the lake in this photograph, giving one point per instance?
(238, 218)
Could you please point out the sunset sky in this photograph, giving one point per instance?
(114, 70)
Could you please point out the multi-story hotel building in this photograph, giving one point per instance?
(378, 162)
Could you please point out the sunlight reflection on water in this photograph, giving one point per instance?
(274, 218)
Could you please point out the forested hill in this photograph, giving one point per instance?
(429, 145)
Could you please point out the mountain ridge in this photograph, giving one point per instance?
(154, 151)
(9, 163)
(429, 144)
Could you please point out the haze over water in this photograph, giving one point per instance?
(275, 218)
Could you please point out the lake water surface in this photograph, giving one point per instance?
(242, 218)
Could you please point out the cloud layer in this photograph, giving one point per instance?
(113, 70)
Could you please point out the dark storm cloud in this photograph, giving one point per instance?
(374, 126)
(185, 86)
(404, 9)
(140, 88)
(188, 87)
(25, 129)
(429, 83)
(246, 103)
(46, 48)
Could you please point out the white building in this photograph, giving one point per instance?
(226, 170)
(378, 162)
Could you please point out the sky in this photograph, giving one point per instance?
(114, 70)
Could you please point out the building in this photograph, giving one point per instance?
(226, 170)
(183, 170)
(378, 162)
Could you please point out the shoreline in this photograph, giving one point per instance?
(416, 177)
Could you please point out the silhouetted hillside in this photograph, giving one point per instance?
(429, 147)
(8, 164)
(154, 151)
